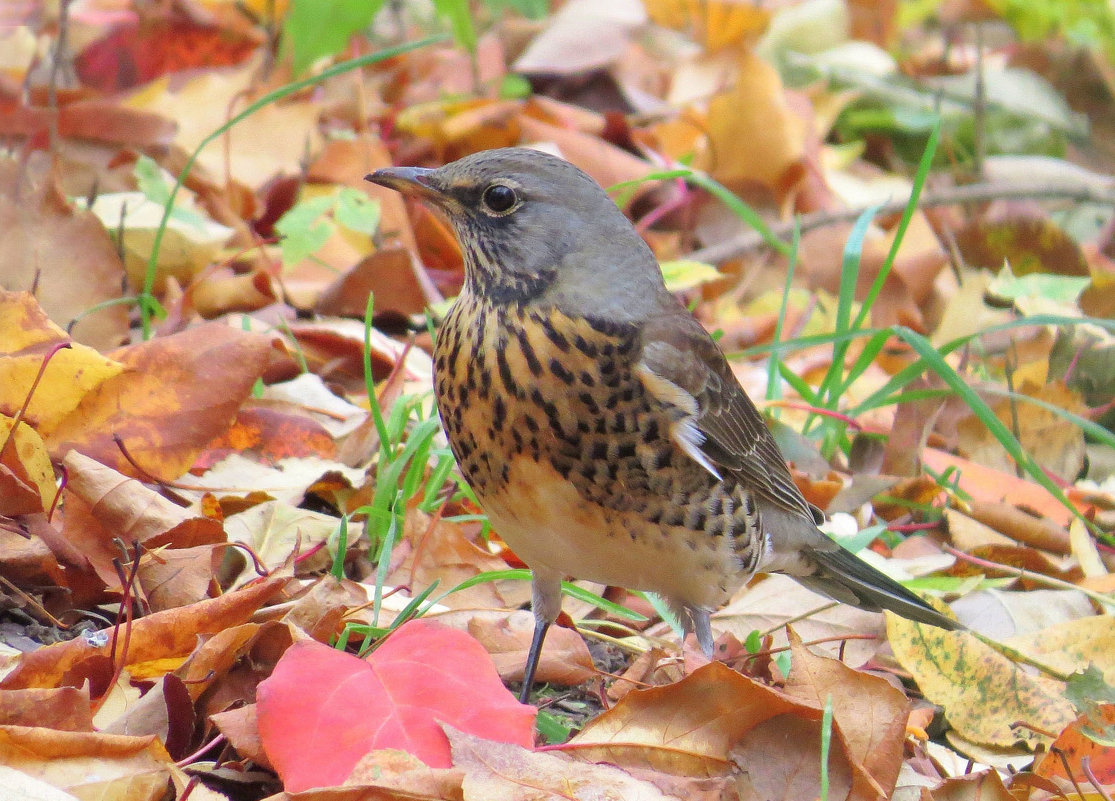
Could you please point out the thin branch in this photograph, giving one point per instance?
(747, 242)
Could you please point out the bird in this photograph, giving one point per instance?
(597, 421)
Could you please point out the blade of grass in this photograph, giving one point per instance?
(717, 190)
(369, 379)
(986, 416)
(904, 223)
(572, 590)
(774, 386)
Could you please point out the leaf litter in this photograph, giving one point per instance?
(235, 560)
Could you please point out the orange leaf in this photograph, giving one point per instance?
(176, 395)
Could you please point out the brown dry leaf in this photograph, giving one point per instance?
(28, 336)
(164, 710)
(565, 658)
(716, 721)
(176, 395)
(982, 692)
(91, 765)
(241, 728)
(173, 577)
(269, 435)
(1055, 443)
(582, 36)
(26, 475)
(29, 560)
(440, 551)
(320, 611)
(64, 253)
(1028, 244)
(755, 108)
(103, 506)
(225, 670)
(983, 786)
(781, 760)
(503, 772)
(61, 708)
(259, 147)
(870, 712)
(398, 770)
(163, 635)
(769, 604)
(392, 276)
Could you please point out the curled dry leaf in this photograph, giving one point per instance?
(163, 635)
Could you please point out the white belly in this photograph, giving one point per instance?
(548, 523)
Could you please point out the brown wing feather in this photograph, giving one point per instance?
(677, 348)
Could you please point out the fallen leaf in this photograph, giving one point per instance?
(64, 253)
(982, 692)
(424, 674)
(507, 772)
(177, 393)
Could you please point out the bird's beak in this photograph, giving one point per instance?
(413, 181)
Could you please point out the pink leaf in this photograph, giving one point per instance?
(322, 709)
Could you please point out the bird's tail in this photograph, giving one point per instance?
(843, 576)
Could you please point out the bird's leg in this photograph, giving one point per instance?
(696, 620)
(545, 589)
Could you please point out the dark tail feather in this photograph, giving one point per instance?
(845, 577)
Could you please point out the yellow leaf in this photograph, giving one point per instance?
(982, 692)
(682, 274)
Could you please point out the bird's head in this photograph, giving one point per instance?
(537, 230)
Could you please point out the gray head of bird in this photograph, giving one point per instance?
(535, 229)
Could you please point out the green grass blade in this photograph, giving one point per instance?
(774, 386)
(904, 223)
(985, 415)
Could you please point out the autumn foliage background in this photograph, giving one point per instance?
(236, 561)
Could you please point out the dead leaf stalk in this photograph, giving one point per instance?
(1068, 770)
(1086, 766)
(1037, 578)
(196, 755)
(30, 393)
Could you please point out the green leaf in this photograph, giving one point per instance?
(154, 185)
(303, 230)
(356, 211)
(456, 13)
(552, 728)
(1059, 288)
(683, 274)
(315, 29)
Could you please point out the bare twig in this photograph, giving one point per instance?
(968, 193)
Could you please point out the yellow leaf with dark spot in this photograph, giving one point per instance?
(983, 693)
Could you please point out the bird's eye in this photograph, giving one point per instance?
(500, 198)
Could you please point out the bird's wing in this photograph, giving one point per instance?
(719, 426)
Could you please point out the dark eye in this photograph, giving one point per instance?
(500, 197)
